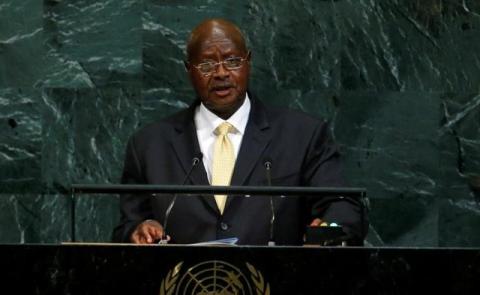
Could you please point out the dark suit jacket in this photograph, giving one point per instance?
(302, 154)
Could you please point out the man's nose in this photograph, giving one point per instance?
(221, 72)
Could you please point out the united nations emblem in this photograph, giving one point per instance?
(214, 277)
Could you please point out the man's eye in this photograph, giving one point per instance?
(233, 62)
(206, 66)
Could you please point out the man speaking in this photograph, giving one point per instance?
(228, 137)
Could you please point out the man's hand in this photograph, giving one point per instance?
(147, 232)
(316, 222)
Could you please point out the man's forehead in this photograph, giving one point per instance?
(212, 44)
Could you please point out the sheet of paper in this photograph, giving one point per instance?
(221, 242)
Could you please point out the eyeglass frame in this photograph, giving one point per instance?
(217, 64)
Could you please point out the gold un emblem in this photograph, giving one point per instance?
(214, 277)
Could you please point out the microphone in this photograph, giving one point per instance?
(268, 175)
(195, 162)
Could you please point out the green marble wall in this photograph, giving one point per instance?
(398, 79)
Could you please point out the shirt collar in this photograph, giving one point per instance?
(210, 121)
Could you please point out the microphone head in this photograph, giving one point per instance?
(267, 163)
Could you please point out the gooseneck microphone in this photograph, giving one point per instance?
(268, 175)
(195, 162)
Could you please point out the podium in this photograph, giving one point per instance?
(129, 269)
(103, 268)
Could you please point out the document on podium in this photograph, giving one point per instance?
(221, 242)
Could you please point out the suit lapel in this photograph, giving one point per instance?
(186, 147)
(255, 140)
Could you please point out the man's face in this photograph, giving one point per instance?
(222, 91)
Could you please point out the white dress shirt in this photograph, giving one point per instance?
(206, 122)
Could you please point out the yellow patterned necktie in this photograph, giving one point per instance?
(223, 161)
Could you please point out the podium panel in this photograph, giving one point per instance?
(130, 269)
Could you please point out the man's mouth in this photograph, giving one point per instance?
(222, 90)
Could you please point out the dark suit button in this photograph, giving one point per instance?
(223, 226)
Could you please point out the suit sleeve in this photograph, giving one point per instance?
(323, 168)
(133, 208)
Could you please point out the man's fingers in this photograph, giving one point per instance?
(155, 232)
(140, 235)
(136, 237)
(147, 232)
(316, 222)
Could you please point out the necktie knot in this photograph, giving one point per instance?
(223, 129)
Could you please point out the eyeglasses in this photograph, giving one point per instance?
(231, 63)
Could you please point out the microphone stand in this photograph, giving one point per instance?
(268, 166)
(164, 239)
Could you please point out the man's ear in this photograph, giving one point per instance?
(187, 65)
(249, 56)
